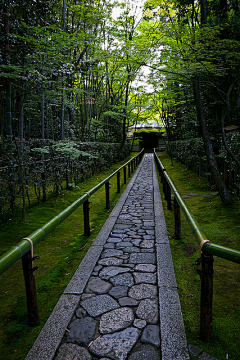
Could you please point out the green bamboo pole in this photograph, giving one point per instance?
(205, 245)
(19, 250)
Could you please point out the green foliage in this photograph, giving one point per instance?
(191, 153)
(46, 166)
(146, 131)
(188, 151)
(233, 140)
(91, 83)
(70, 149)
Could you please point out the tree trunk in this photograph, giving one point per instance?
(222, 189)
(203, 12)
(8, 82)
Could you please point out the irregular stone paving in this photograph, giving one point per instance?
(118, 315)
(122, 288)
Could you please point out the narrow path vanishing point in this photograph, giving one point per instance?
(122, 302)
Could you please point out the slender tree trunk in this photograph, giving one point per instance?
(43, 175)
(125, 112)
(21, 121)
(62, 105)
(223, 191)
(8, 81)
(203, 12)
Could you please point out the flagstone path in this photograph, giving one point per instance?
(122, 302)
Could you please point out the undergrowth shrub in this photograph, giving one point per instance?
(37, 168)
(191, 153)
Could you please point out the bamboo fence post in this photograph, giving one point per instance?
(86, 218)
(30, 285)
(177, 216)
(107, 195)
(169, 205)
(206, 297)
(118, 182)
(125, 174)
(165, 184)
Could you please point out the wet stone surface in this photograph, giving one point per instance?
(82, 331)
(121, 295)
(151, 335)
(98, 286)
(147, 278)
(122, 280)
(119, 291)
(99, 305)
(73, 352)
(145, 352)
(116, 346)
(148, 310)
(116, 320)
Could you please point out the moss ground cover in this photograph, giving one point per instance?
(60, 254)
(222, 226)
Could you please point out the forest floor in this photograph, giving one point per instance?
(222, 227)
(60, 254)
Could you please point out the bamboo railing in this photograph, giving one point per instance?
(206, 247)
(24, 249)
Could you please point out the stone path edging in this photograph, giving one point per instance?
(173, 338)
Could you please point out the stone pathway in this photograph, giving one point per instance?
(119, 305)
(122, 302)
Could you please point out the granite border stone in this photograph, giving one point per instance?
(51, 335)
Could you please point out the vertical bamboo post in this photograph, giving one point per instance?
(169, 205)
(125, 174)
(30, 285)
(206, 297)
(162, 175)
(118, 182)
(129, 171)
(177, 216)
(165, 188)
(107, 195)
(132, 166)
(86, 218)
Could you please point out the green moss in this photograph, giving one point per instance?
(60, 254)
(221, 226)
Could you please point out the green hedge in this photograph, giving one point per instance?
(38, 168)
